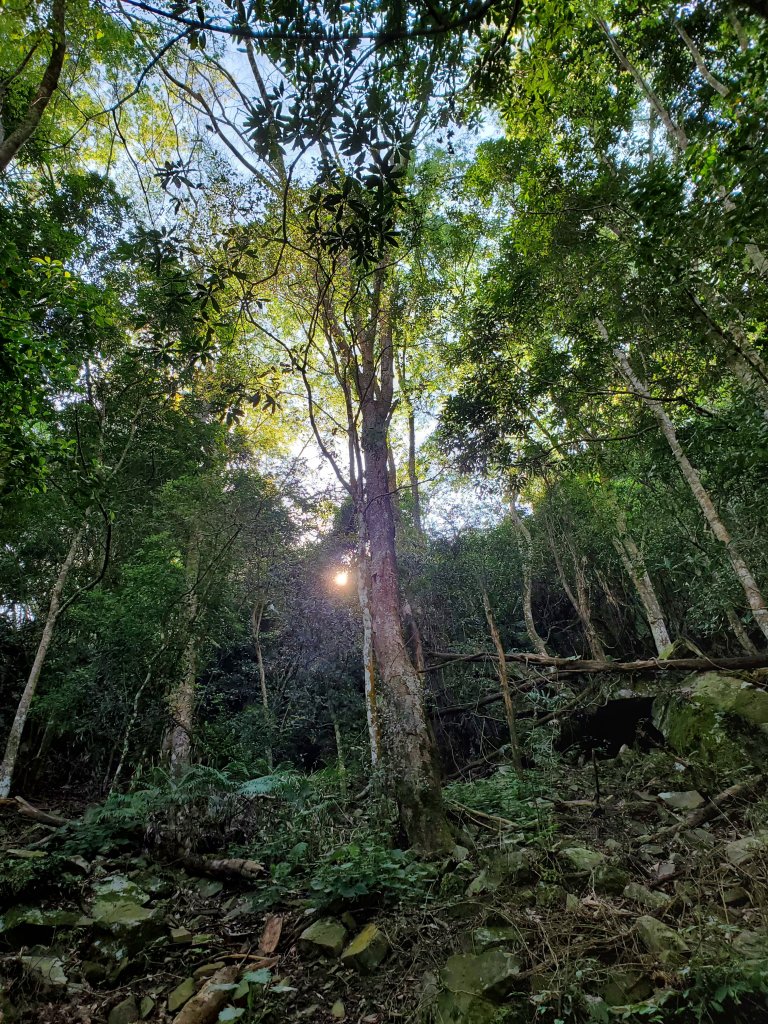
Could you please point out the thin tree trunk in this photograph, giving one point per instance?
(509, 708)
(740, 633)
(182, 701)
(128, 731)
(256, 617)
(698, 60)
(413, 633)
(413, 478)
(340, 759)
(12, 143)
(634, 564)
(410, 744)
(579, 600)
(754, 596)
(525, 546)
(369, 668)
(13, 743)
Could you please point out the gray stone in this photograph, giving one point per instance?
(146, 1007)
(325, 937)
(181, 994)
(133, 924)
(126, 1012)
(609, 879)
(741, 851)
(366, 951)
(549, 895)
(647, 898)
(688, 800)
(121, 887)
(627, 987)
(492, 975)
(35, 918)
(658, 938)
(579, 860)
(495, 937)
(181, 936)
(752, 945)
(463, 1008)
(46, 969)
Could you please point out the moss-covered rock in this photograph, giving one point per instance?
(462, 1008)
(323, 938)
(366, 951)
(492, 975)
(661, 940)
(723, 722)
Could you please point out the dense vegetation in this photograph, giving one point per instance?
(383, 398)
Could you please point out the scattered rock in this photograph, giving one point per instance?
(684, 801)
(133, 924)
(741, 851)
(366, 951)
(752, 945)
(659, 938)
(494, 937)
(33, 918)
(492, 975)
(463, 1008)
(325, 937)
(627, 987)
(648, 898)
(46, 969)
(122, 887)
(609, 879)
(338, 1010)
(146, 1007)
(580, 860)
(547, 894)
(206, 970)
(181, 936)
(181, 994)
(93, 972)
(126, 1012)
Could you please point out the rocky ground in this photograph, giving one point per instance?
(631, 888)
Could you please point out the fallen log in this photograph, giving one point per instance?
(584, 665)
(204, 1008)
(45, 817)
(228, 867)
(713, 806)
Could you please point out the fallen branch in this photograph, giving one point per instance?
(584, 665)
(204, 1008)
(229, 867)
(713, 807)
(452, 804)
(45, 817)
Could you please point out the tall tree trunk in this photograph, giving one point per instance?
(739, 632)
(579, 601)
(509, 708)
(754, 596)
(410, 745)
(13, 743)
(369, 667)
(182, 700)
(256, 617)
(12, 143)
(634, 565)
(413, 478)
(525, 546)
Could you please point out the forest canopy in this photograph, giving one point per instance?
(383, 475)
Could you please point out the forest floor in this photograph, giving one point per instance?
(554, 907)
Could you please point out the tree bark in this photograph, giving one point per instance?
(754, 596)
(13, 743)
(634, 564)
(369, 667)
(509, 708)
(579, 600)
(410, 745)
(256, 617)
(698, 60)
(12, 143)
(525, 546)
(182, 700)
(413, 478)
(739, 632)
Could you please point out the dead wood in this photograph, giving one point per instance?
(228, 867)
(45, 817)
(204, 1008)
